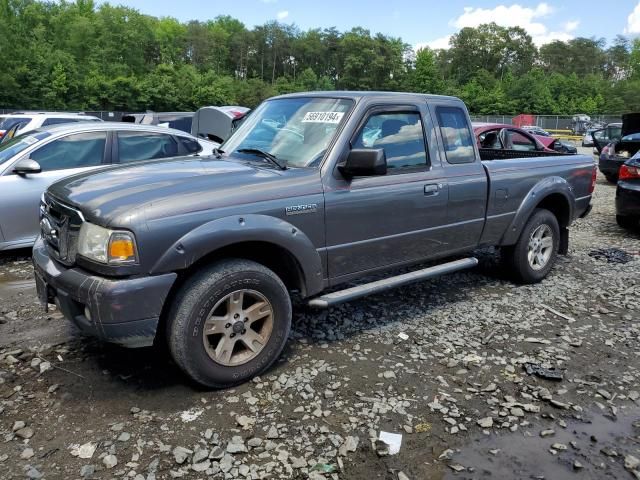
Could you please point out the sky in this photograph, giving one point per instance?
(419, 22)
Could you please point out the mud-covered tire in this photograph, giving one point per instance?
(628, 222)
(517, 257)
(193, 308)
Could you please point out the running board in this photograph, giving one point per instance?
(352, 293)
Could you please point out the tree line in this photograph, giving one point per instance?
(79, 56)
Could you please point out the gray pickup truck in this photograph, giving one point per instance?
(314, 190)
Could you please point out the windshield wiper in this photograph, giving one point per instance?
(266, 155)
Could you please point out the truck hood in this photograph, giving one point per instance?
(122, 191)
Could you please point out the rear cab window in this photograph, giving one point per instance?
(456, 135)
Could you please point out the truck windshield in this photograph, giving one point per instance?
(11, 148)
(295, 130)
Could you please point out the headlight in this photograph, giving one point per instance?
(107, 246)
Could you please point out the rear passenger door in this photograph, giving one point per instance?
(134, 146)
(464, 174)
(380, 221)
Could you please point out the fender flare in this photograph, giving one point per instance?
(541, 190)
(227, 231)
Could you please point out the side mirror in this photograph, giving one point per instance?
(27, 166)
(364, 162)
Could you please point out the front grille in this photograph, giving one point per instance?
(59, 227)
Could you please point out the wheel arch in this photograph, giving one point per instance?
(553, 194)
(270, 241)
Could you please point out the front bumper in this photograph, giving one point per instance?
(122, 311)
(628, 199)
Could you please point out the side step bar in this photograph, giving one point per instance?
(352, 293)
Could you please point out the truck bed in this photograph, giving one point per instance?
(513, 179)
(502, 154)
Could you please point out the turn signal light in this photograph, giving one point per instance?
(627, 172)
(122, 248)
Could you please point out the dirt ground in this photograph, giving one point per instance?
(440, 363)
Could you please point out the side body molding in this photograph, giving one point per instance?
(235, 229)
(541, 190)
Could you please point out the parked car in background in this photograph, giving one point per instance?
(497, 136)
(628, 194)
(30, 162)
(314, 190)
(535, 130)
(26, 122)
(616, 143)
(587, 139)
(564, 146)
(178, 120)
(218, 123)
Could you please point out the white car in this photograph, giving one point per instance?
(30, 162)
(30, 121)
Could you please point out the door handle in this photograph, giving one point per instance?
(432, 189)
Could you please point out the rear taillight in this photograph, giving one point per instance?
(594, 177)
(627, 172)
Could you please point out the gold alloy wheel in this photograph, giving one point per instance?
(238, 327)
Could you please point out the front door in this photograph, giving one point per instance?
(379, 221)
(20, 194)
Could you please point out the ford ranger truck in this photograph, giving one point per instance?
(312, 191)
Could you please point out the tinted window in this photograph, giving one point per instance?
(9, 122)
(138, 146)
(73, 151)
(12, 147)
(457, 138)
(401, 136)
(190, 145)
(521, 142)
(179, 122)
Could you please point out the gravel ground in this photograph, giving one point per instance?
(441, 364)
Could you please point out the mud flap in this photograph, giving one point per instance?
(563, 248)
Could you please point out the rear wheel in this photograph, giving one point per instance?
(533, 256)
(229, 323)
(628, 222)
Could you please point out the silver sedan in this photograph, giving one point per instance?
(31, 162)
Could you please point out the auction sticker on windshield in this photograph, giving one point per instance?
(322, 117)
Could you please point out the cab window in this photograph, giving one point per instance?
(400, 135)
(456, 135)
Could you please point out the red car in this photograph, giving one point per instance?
(507, 137)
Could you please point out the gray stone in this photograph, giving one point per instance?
(110, 461)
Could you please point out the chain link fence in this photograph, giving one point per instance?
(547, 122)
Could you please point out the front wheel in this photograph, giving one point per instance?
(229, 323)
(533, 256)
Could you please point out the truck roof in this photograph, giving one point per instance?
(357, 95)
